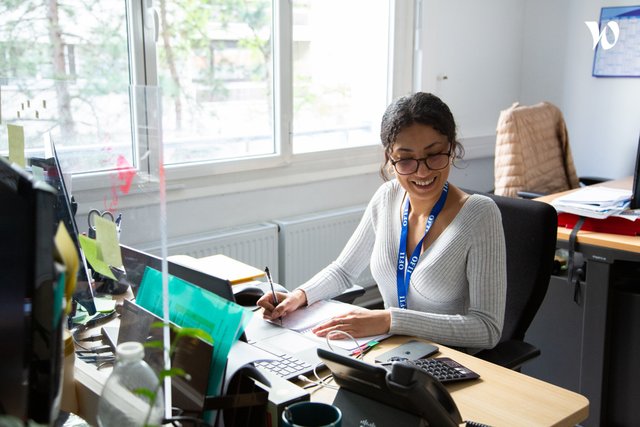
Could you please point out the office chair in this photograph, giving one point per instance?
(350, 295)
(532, 154)
(530, 229)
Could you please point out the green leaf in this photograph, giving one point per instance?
(145, 392)
(153, 344)
(173, 372)
(194, 333)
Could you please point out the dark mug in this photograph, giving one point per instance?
(311, 414)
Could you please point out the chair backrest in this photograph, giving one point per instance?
(532, 151)
(530, 230)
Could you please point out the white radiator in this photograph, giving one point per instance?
(256, 245)
(309, 243)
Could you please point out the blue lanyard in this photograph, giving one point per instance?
(404, 277)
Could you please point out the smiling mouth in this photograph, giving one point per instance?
(424, 183)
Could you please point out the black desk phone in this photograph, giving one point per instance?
(405, 388)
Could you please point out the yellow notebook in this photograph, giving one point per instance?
(220, 266)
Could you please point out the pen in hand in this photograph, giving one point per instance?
(273, 292)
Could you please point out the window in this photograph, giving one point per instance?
(340, 57)
(240, 81)
(65, 69)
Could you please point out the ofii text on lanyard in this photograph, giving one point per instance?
(405, 268)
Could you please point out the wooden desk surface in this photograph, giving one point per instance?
(607, 240)
(501, 397)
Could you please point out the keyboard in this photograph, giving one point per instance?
(445, 369)
(287, 367)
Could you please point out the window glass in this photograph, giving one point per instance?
(215, 72)
(340, 62)
(65, 70)
(214, 64)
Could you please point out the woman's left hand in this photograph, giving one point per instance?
(358, 323)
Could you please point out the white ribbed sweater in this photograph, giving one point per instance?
(457, 292)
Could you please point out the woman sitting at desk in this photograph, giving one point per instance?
(443, 279)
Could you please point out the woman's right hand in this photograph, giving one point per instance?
(287, 303)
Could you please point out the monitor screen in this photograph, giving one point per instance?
(64, 210)
(635, 197)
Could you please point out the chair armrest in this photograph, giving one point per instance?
(590, 180)
(350, 294)
(529, 195)
(510, 354)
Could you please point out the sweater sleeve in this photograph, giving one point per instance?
(342, 273)
(480, 326)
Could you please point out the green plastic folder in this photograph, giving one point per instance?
(193, 307)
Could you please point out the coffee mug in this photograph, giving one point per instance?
(311, 414)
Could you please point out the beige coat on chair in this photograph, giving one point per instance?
(532, 151)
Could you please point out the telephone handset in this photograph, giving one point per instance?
(404, 387)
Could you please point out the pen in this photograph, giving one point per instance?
(273, 292)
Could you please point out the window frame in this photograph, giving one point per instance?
(213, 177)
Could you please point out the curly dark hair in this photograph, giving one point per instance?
(422, 108)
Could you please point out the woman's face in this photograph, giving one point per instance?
(419, 142)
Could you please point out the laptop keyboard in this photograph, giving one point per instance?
(286, 367)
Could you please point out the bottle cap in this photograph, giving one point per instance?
(130, 351)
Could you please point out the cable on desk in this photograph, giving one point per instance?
(358, 345)
(320, 382)
(76, 340)
(468, 423)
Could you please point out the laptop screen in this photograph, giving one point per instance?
(136, 261)
(191, 355)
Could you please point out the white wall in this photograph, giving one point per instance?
(602, 114)
(477, 45)
(497, 52)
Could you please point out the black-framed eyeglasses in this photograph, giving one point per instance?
(433, 162)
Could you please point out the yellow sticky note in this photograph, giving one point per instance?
(104, 304)
(69, 255)
(16, 144)
(107, 237)
(90, 249)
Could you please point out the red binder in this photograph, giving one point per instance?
(612, 224)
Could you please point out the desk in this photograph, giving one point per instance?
(501, 397)
(578, 340)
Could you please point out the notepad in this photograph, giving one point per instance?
(306, 318)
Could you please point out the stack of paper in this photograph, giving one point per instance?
(594, 202)
(306, 318)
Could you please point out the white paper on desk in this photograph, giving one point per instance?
(306, 318)
(590, 211)
(595, 196)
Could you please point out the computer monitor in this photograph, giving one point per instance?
(64, 209)
(135, 262)
(635, 197)
(31, 298)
